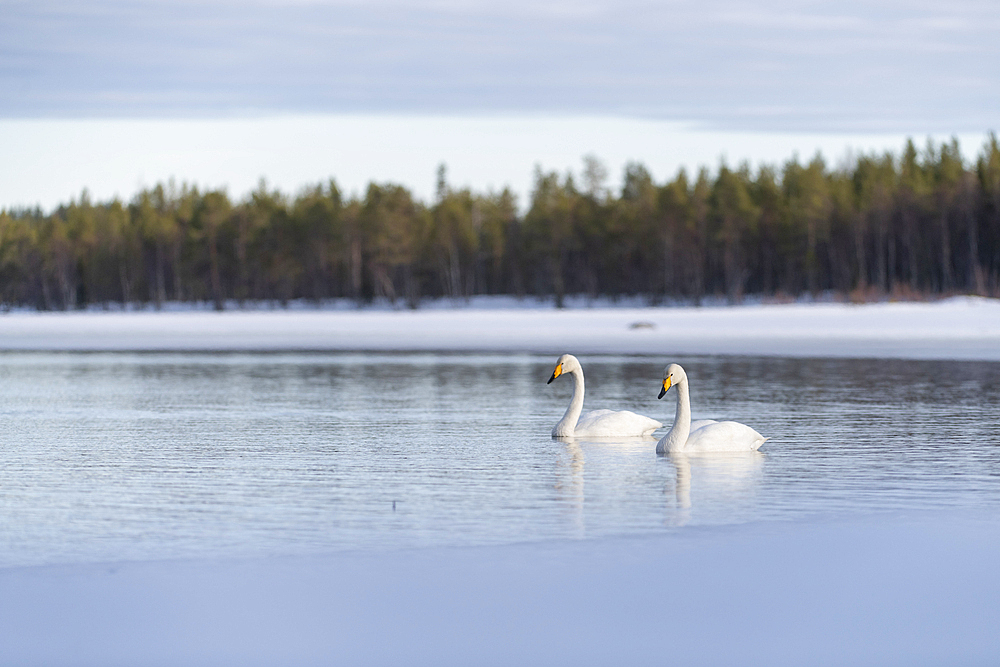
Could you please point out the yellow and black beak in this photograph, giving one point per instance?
(556, 373)
(666, 386)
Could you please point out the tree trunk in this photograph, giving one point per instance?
(178, 291)
(946, 274)
(161, 288)
(859, 250)
(558, 284)
(975, 280)
(213, 259)
(355, 269)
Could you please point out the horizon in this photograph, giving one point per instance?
(232, 154)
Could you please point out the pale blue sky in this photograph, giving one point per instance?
(838, 75)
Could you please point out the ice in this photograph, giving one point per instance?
(876, 590)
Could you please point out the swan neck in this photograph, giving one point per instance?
(676, 438)
(567, 425)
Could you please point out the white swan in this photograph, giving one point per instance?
(596, 423)
(704, 435)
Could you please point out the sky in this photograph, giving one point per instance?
(118, 94)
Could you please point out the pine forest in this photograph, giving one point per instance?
(918, 224)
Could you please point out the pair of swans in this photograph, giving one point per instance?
(703, 435)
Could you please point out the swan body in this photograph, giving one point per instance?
(704, 435)
(596, 423)
(698, 423)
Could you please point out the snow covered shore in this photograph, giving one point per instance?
(959, 328)
(870, 591)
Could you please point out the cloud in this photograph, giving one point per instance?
(846, 66)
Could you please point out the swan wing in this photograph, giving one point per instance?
(614, 423)
(724, 437)
(697, 424)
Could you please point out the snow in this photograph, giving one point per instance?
(875, 590)
(957, 328)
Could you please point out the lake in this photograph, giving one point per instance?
(140, 456)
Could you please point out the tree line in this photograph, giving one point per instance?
(923, 222)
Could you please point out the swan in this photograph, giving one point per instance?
(596, 423)
(704, 435)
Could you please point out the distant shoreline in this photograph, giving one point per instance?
(496, 302)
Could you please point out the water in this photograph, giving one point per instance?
(149, 456)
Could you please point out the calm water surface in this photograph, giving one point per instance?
(142, 456)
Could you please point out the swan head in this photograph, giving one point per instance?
(672, 374)
(567, 363)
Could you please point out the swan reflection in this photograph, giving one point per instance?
(569, 481)
(596, 478)
(610, 469)
(728, 479)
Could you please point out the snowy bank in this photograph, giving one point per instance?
(959, 328)
(871, 591)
